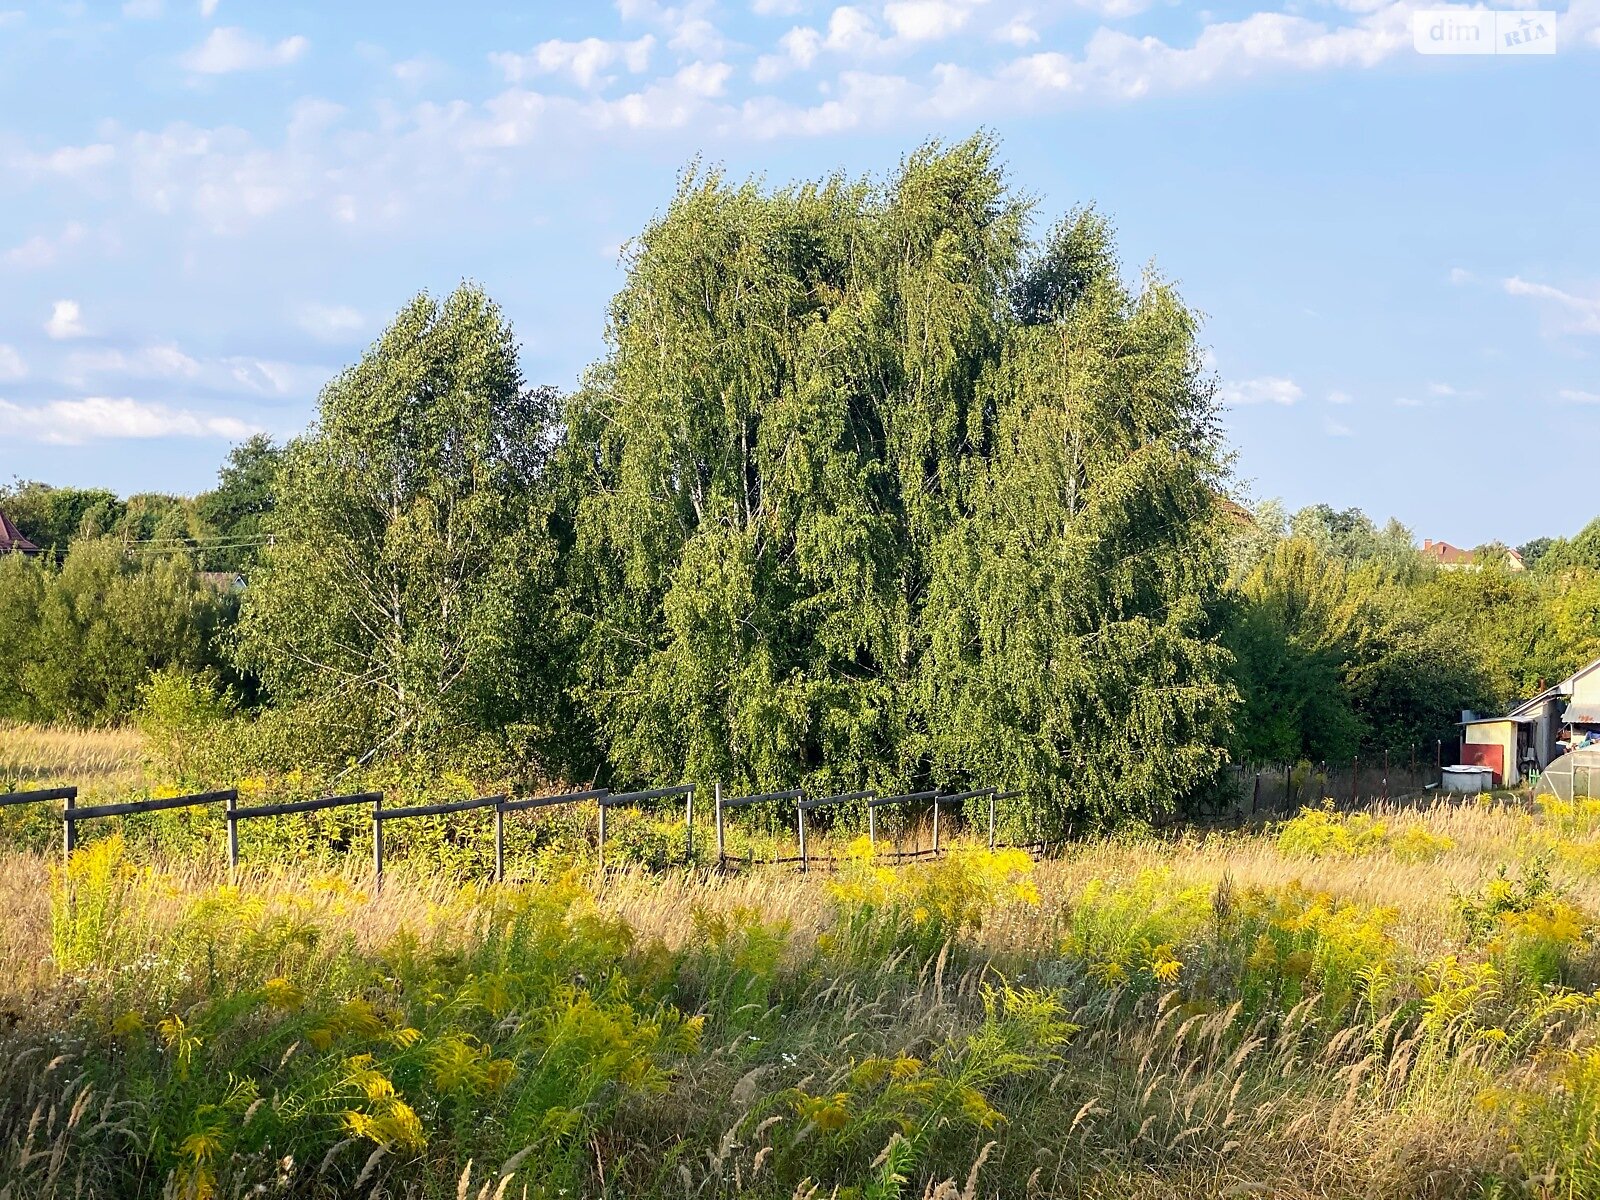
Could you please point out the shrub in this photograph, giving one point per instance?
(883, 912)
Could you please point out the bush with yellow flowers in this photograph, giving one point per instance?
(909, 913)
(1322, 832)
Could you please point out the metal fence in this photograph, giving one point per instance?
(925, 803)
(1253, 791)
(1273, 789)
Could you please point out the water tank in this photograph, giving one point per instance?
(1468, 779)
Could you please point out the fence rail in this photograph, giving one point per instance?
(71, 814)
(1257, 791)
(502, 805)
(9, 798)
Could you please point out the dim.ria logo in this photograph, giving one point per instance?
(1482, 31)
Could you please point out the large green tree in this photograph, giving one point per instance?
(396, 604)
(848, 467)
(1071, 638)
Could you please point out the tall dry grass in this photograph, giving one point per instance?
(1347, 1007)
(99, 760)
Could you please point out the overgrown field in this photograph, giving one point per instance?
(1395, 1003)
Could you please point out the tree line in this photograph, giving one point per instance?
(872, 488)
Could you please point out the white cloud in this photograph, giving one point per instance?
(586, 62)
(1116, 65)
(688, 26)
(1271, 389)
(704, 79)
(72, 422)
(208, 8)
(860, 99)
(1442, 389)
(1338, 397)
(1581, 314)
(674, 103)
(415, 71)
(329, 322)
(41, 250)
(151, 362)
(1460, 275)
(221, 175)
(66, 321)
(142, 10)
(925, 20)
(1018, 31)
(12, 368)
(776, 8)
(71, 161)
(1336, 428)
(852, 34)
(1574, 396)
(1407, 402)
(269, 378)
(228, 49)
(1115, 10)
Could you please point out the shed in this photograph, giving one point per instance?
(1496, 743)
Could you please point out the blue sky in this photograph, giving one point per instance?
(209, 206)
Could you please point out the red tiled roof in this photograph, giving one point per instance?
(1444, 552)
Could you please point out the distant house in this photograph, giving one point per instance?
(1236, 514)
(11, 539)
(1454, 558)
(1559, 719)
(222, 581)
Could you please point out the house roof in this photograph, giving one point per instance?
(1236, 512)
(1564, 688)
(11, 538)
(1445, 553)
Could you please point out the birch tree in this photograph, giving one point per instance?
(392, 610)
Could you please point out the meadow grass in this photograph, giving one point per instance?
(1395, 1002)
(38, 756)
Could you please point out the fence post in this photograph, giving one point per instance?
(1255, 796)
(1288, 783)
(872, 827)
(936, 828)
(800, 818)
(377, 840)
(499, 844)
(601, 842)
(69, 832)
(688, 827)
(233, 835)
(1355, 780)
(1385, 774)
(716, 800)
(992, 798)
(1411, 783)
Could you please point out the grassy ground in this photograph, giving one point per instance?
(36, 756)
(1341, 1006)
